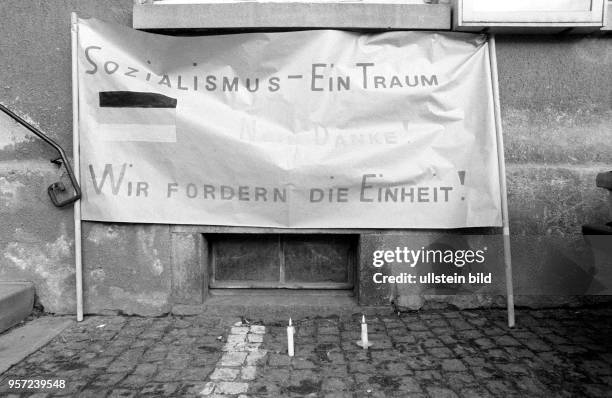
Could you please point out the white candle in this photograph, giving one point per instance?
(290, 332)
(364, 333)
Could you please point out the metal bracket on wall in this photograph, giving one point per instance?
(59, 186)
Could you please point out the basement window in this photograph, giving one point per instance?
(282, 261)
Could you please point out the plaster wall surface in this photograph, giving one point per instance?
(556, 95)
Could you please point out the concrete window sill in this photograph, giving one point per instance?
(285, 16)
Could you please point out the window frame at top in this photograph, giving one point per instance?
(469, 14)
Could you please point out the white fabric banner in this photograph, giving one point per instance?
(310, 129)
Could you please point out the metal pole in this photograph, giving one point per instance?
(77, 166)
(502, 180)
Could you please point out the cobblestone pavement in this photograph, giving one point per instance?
(553, 353)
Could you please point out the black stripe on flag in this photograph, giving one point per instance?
(134, 99)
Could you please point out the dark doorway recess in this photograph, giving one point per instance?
(282, 261)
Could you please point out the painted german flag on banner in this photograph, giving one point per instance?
(136, 116)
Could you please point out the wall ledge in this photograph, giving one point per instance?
(284, 16)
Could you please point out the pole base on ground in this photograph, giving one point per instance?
(360, 344)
